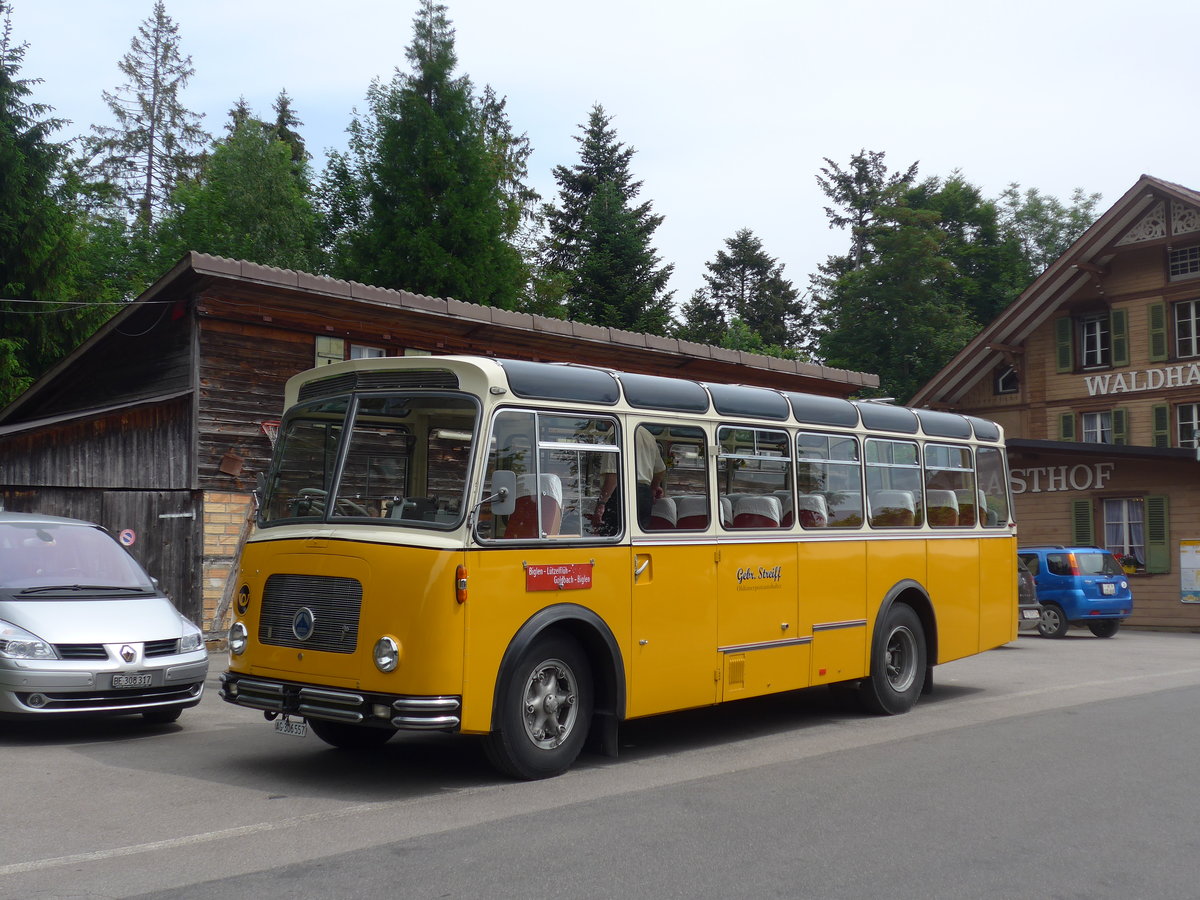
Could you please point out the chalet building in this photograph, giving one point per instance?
(157, 426)
(1094, 372)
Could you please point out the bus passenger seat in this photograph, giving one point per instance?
(785, 503)
(663, 514)
(942, 508)
(757, 512)
(812, 511)
(691, 511)
(523, 522)
(891, 509)
(727, 512)
(966, 507)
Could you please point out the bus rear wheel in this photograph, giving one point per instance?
(345, 736)
(897, 663)
(545, 710)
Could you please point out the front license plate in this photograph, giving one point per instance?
(1031, 614)
(1108, 589)
(140, 680)
(299, 728)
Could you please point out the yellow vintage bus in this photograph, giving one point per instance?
(534, 552)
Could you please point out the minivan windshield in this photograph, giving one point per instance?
(42, 560)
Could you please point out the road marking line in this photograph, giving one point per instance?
(172, 843)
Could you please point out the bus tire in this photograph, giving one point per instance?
(346, 736)
(545, 710)
(897, 663)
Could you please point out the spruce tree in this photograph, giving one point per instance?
(37, 236)
(156, 142)
(749, 284)
(598, 246)
(422, 200)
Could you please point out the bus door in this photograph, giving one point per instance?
(673, 658)
(763, 644)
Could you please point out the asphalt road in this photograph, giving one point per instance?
(1044, 769)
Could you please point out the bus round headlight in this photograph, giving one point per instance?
(237, 638)
(387, 654)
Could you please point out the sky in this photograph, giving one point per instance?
(732, 107)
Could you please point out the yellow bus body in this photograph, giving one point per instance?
(441, 609)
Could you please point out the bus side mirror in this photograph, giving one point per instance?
(504, 492)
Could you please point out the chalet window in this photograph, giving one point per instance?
(360, 351)
(1124, 534)
(1097, 428)
(1183, 262)
(1095, 341)
(1187, 328)
(1007, 380)
(1188, 416)
(1092, 341)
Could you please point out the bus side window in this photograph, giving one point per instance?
(672, 474)
(754, 478)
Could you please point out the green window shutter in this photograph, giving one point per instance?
(1157, 315)
(1158, 552)
(1118, 323)
(1120, 426)
(1066, 427)
(1083, 533)
(1161, 432)
(1064, 353)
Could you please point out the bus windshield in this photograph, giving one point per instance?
(399, 458)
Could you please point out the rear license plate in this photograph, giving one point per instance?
(140, 680)
(1031, 614)
(298, 728)
(1108, 589)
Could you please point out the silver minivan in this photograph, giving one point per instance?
(84, 629)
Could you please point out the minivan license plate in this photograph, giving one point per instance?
(298, 728)
(1108, 590)
(139, 680)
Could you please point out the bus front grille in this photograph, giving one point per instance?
(331, 623)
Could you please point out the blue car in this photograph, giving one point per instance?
(1078, 586)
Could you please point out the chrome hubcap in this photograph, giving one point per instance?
(549, 707)
(901, 665)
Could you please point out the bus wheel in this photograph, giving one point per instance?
(345, 736)
(545, 710)
(897, 663)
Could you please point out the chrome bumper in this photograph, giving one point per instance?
(353, 707)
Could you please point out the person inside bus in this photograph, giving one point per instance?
(650, 469)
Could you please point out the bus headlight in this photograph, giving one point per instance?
(387, 654)
(237, 638)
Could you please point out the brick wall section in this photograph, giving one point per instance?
(225, 516)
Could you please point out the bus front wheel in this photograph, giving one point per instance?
(897, 663)
(545, 710)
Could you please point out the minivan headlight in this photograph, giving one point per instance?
(237, 638)
(17, 643)
(193, 638)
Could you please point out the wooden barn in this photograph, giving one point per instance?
(157, 426)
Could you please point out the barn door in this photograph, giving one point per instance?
(159, 528)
